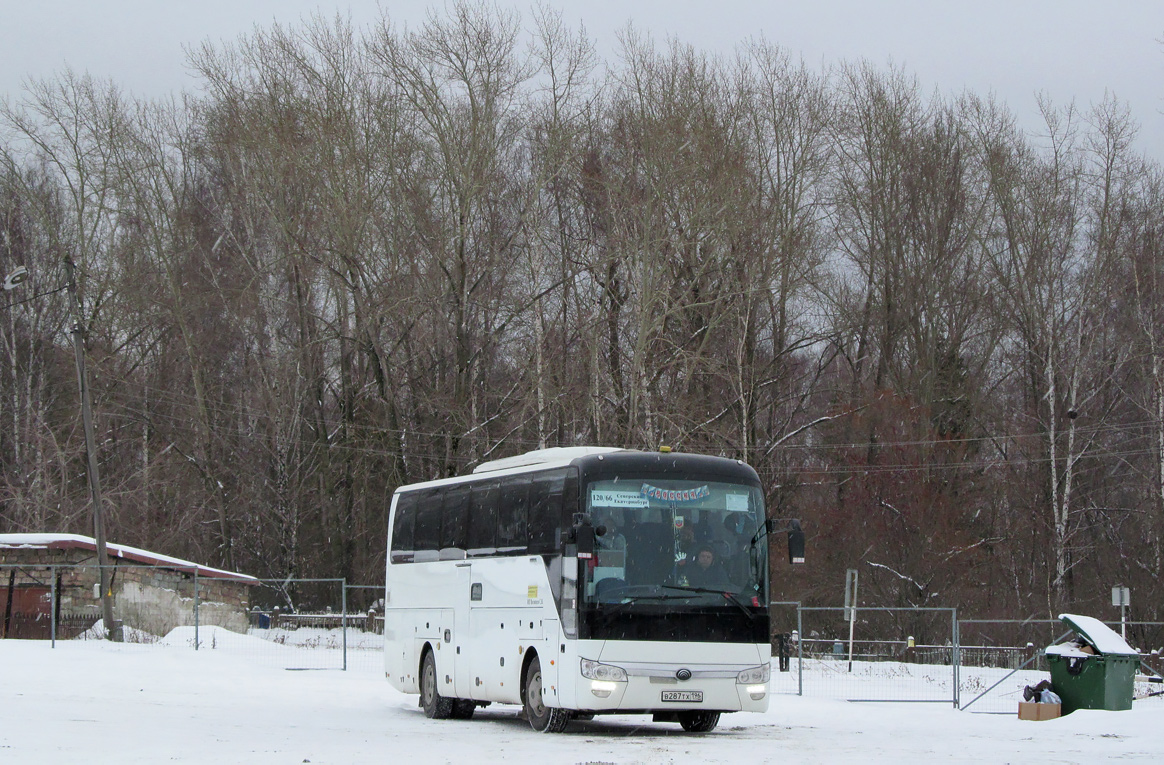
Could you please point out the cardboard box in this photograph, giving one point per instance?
(1029, 710)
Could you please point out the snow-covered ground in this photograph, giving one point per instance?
(96, 702)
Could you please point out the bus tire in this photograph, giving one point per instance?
(463, 709)
(542, 718)
(436, 706)
(698, 722)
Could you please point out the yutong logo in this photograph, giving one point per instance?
(683, 674)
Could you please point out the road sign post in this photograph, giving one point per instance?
(1122, 596)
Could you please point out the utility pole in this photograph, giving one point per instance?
(78, 332)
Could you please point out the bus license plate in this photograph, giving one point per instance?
(683, 696)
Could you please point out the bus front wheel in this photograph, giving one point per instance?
(542, 718)
(698, 722)
(436, 706)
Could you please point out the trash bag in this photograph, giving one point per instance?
(1041, 693)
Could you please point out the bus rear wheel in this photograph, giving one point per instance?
(698, 722)
(542, 718)
(436, 706)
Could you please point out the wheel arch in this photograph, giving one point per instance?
(425, 650)
(527, 658)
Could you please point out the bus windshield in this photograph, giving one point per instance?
(676, 541)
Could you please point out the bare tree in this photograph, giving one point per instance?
(460, 80)
(67, 128)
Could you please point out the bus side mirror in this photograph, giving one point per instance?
(795, 536)
(795, 543)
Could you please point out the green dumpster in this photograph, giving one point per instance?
(1096, 670)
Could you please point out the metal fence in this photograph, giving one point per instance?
(1001, 657)
(63, 602)
(292, 623)
(879, 654)
(872, 654)
(787, 659)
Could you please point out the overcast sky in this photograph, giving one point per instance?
(1070, 49)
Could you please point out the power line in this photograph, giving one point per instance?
(417, 449)
(13, 304)
(170, 396)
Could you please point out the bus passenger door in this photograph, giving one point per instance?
(462, 657)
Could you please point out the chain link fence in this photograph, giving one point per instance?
(787, 661)
(296, 624)
(151, 605)
(875, 654)
(999, 658)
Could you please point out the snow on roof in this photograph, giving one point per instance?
(1103, 637)
(137, 555)
(543, 456)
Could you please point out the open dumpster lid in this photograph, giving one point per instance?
(1103, 638)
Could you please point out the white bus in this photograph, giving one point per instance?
(583, 581)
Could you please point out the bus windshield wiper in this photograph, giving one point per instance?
(727, 596)
(608, 608)
(619, 602)
(624, 599)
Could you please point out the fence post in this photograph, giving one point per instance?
(345, 622)
(956, 658)
(53, 605)
(195, 609)
(799, 652)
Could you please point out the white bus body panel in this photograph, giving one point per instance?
(479, 644)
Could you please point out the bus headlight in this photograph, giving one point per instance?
(596, 671)
(757, 691)
(754, 676)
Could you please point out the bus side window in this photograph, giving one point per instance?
(483, 519)
(454, 522)
(570, 497)
(513, 514)
(428, 525)
(402, 528)
(545, 511)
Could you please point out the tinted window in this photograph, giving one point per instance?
(402, 528)
(483, 518)
(545, 511)
(570, 497)
(513, 513)
(428, 521)
(455, 518)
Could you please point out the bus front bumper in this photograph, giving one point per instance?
(639, 693)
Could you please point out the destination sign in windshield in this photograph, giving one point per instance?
(618, 499)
